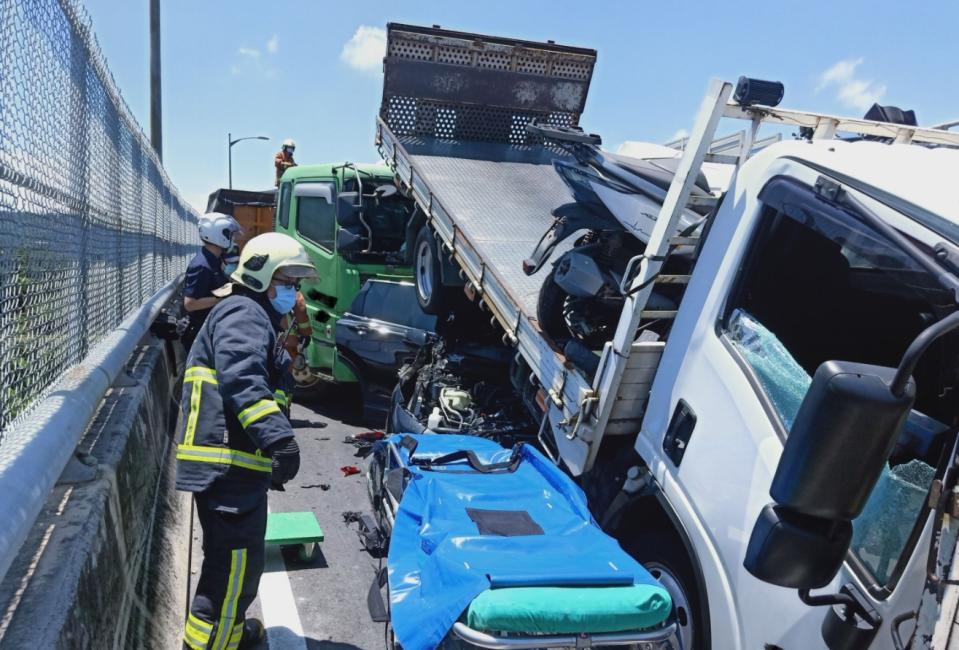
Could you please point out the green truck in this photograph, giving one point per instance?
(356, 226)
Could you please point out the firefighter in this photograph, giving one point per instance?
(205, 272)
(283, 160)
(235, 443)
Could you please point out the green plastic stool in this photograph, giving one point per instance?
(292, 528)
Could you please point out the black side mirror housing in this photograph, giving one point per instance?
(347, 209)
(347, 241)
(792, 550)
(842, 436)
(841, 439)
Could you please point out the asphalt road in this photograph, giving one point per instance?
(330, 592)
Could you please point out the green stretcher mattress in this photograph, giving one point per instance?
(569, 610)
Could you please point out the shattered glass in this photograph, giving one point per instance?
(882, 531)
(783, 379)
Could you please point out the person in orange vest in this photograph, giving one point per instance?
(304, 329)
(283, 160)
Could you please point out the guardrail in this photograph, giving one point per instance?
(35, 452)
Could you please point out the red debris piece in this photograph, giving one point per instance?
(370, 435)
(350, 470)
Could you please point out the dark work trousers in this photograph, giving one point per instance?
(230, 575)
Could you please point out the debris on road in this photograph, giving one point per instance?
(364, 442)
(350, 470)
(372, 538)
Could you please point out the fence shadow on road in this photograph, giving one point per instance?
(316, 644)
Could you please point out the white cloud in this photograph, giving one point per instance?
(851, 91)
(365, 49)
(840, 72)
(861, 94)
(251, 62)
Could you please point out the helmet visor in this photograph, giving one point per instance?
(298, 271)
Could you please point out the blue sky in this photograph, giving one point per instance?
(284, 69)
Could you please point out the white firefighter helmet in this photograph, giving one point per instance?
(289, 144)
(218, 229)
(265, 254)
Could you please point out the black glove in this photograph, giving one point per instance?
(304, 341)
(286, 461)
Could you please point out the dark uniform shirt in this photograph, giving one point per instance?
(231, 408)
(203, 275)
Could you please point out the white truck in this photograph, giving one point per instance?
(789, 425)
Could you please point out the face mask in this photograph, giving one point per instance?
(285, 299)
(230, 268)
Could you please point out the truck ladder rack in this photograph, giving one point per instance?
(699, 147)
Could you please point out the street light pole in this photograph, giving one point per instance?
(156, 111)
(229, 151)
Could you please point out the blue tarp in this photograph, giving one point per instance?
(438, 562)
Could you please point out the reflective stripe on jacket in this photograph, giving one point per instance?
(230, 406)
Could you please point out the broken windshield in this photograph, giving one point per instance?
(819, 284)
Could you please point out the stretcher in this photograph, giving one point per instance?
(495, 548)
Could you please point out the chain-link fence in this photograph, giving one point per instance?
(90, 224)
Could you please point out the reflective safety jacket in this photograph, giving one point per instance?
(231, 407)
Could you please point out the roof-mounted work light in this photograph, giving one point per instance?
(757, 91)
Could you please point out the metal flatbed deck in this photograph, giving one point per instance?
(476, 182)
(463, 188)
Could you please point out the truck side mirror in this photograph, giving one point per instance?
(347, 241)
(841, 439)
(347, 209)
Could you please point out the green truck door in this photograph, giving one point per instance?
(314, 219)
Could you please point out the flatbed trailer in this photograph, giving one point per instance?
(452, 125)
(487, 188)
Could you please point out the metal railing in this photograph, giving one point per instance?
(93, 237)
(90, 224)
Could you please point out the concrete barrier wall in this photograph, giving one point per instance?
(105, 563)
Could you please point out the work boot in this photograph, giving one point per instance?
(253, 634)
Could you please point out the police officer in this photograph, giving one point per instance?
(205, 272)
(235, 443)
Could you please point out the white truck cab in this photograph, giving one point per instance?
(778, 290)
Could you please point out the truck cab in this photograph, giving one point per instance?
(353, 223)
(786, 281)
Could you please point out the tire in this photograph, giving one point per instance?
(550, 313)
(549, 310)
(430, 292)
(664, 557)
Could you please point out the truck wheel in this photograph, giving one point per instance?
(663, 557)
(682, 606)
(430, 291)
